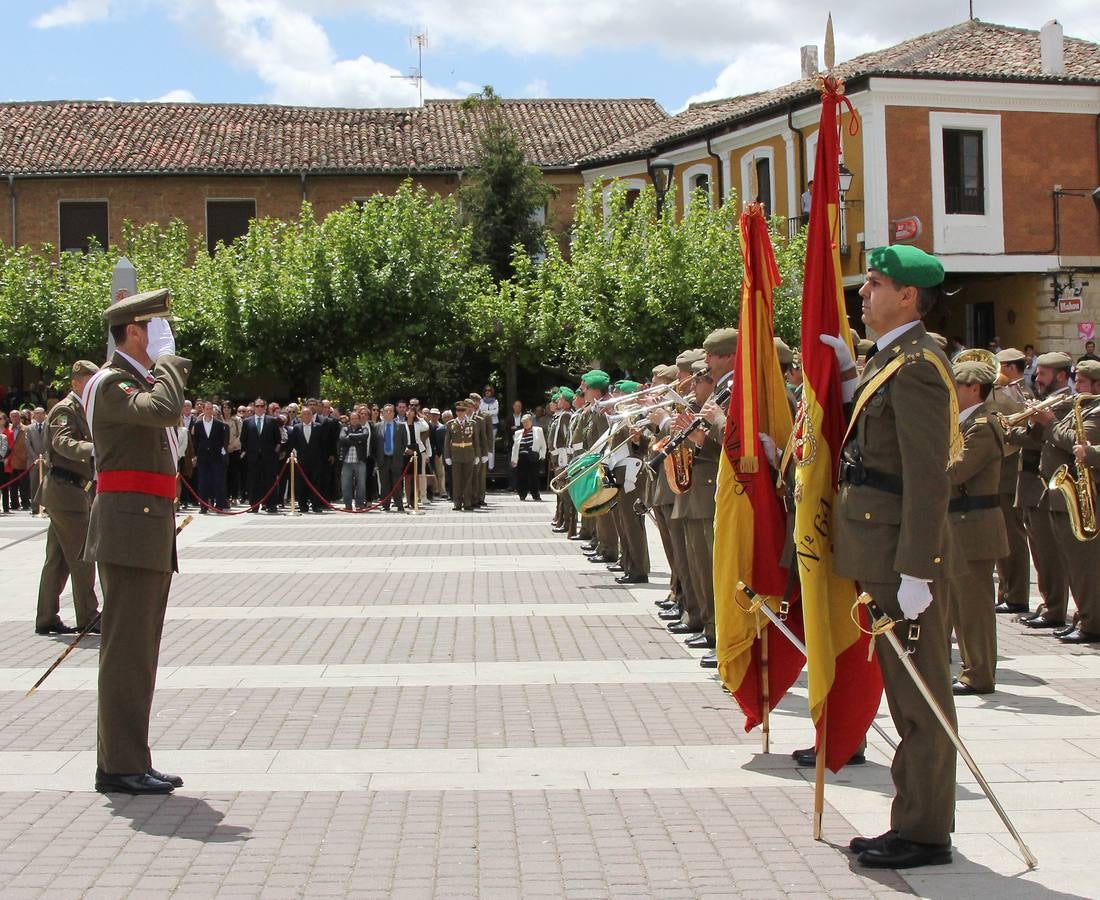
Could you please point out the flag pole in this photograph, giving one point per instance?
(765, 694)
(819, 774)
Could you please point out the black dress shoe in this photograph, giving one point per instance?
(600, 558)
(1002, 608)
(1062, 632)
(709, 660)
(173, 780)
(808, 758)
(142, 783)
(962, 689)
(665, 603)
(633, 579)
(559, 530)
(700, 642)
(58, 627)
(684, 628)
(615, 567)
(589, 546)
(1077, 636)
(574, 537)
(1043, 622)
(671, 614)
(862, 844)
(895, 853)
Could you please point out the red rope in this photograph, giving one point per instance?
(238, 512)
(22, 474)
(397, 484)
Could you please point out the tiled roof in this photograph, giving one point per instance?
(107, 138)
(972, 50)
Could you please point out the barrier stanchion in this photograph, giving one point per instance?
(416, 511)
(41, 463)
(295, 507)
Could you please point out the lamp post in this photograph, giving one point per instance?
(845, 178)
(660, 170)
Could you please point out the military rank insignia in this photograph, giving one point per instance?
(128, 388)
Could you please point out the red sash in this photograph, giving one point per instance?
(136, 481)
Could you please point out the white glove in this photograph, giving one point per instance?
(914, 596)
(447, 461)
(846, 363)
(769, 448)
(491, 460)
(161, 340)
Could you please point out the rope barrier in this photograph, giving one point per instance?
(398, 483)
(235, 512)
(22, 474)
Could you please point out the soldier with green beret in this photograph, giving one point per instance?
(67, 492)
(974, 511)
(629, 524)
(596, 383)
(558, 443)
(133, 406)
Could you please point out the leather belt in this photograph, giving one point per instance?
(967, 504)
(464, 444)
(137, 481)
(71, 477)
(858, 474)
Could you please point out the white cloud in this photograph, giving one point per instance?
(179, 95)
(538, 87)
(73, 12)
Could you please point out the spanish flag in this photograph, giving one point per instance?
(845, 684)
(750, 522)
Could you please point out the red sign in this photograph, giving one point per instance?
(1070, 304)
(1086, 331)
(907, 229)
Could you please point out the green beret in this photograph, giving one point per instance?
(971, 371)
(140, 308)
(786, 357)
(1090, 368)
(685, 359)
(568, 393)
(906, 265)
(597, 379)
(722, 342)
(864, 345)
(627, 387)
(84, 367)
(1055, 360)
(1011, 355)
(555, 395)
(940, 340)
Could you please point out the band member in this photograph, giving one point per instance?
(629, 523)
(596, 384)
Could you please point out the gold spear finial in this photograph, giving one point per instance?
(830, 46)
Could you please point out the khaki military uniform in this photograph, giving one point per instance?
(66, 494)
(975, 514)
(661, 500)
(607, 538)
(487, 447)
(462, 445)
(879, 533)
(578, 436)
(132, 536)
(559, 446)
(630, 524)
(1014, 569)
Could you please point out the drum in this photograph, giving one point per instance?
(592, 489)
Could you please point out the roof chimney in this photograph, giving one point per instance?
(809, 60)
(1052, 49)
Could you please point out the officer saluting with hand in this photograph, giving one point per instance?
(133, 405)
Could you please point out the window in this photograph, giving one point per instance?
(80, 220)
(227, 220)
(764, 184)
(963, 172)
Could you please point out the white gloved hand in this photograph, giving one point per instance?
(447, 461)
(490, 460)
(769, 448)
(914, 596)
(161, 340)
(847, 364)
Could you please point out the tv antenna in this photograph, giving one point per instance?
(417, 40)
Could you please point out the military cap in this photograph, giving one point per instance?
(1090, 368)
(475, 397)
(84, 367)
(864, 345)
(1055, 360)
(971, 371)
(140, 308)
(906, 265)
(1011, 355)
(669, 372)
(655, 372)
(626, 386)
(786, 357)
(461, 404)
(597, 379)
(940, 340)
(568, 393)
(699, 366)
(722, 341)
(685, 359)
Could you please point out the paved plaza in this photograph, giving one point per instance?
(459, 705)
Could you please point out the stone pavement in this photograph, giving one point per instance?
(459, 705)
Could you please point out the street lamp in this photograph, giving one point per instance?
(660, 170)
(846, 178)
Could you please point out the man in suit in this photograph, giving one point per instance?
(210, 438)
(904, 433)
(391, 450)
(67, 492)
(260, 443)
(133, 406)
(38, 439)
(310, 442)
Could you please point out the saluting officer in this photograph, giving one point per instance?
(67, 496)
(903, 436)
(461, 451)
(133, 406)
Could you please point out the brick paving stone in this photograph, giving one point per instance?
(424, 550)
(481, 528)
(1083, 690)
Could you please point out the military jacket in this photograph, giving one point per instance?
(128, 428)
(698, 501)
(903, 433)
(1059, 439)
(975, 510)
(69, 448)
(1030, 484)
(463, 441)
(1006, 400)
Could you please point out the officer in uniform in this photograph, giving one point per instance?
(1010, 395)
(66, 494)
(462, 451)
(974, 510)
(596, 383)
(904, 433)
(659, 496)
(484, 423)
(578, 435)
(133, 406)
(560, 451)
(628, 522)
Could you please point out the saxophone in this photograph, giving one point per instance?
(1080, 492)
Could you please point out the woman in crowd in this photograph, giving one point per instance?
(528, 450)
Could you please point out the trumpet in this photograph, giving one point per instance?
(625, 399)
(1023, 415)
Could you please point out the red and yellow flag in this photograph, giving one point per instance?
(750, 521)
(845, 685)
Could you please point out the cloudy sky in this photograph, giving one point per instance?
(354, 52)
